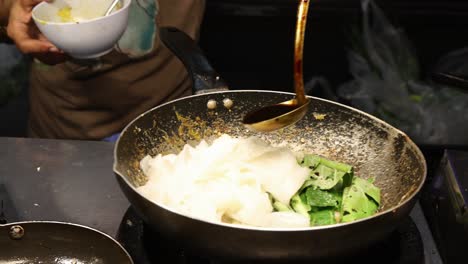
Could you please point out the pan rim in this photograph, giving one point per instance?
(107, 236)
(266, 229)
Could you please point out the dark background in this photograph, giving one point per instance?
(250, 42)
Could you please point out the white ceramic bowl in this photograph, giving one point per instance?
(85, 39)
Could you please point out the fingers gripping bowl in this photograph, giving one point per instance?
(82, 31)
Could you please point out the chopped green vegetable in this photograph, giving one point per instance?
(356, 204)
(338, 197)
(372, 208)
(306, 184)
(311, 161)
(299, 205)
(280, 207)
(336, 165)
(319, 198)
(347, 180)
(324, 217)
(326, 178)
(369, 189)
(332, 193)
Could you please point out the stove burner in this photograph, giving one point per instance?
(404, 246)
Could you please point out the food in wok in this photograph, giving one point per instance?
(373, 148)
(247, 181)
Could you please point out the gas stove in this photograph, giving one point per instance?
(445, 203)
(404, 246)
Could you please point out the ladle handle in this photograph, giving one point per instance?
(204, 76)
(299, 51)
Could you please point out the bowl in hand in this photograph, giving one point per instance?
(79, 28)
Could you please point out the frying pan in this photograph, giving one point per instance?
(372, 146)
(60, 243)
(54, 242)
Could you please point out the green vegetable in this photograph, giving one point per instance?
(336, 165)
(347, 180)
(311, 161)
(332, 193)
(372, 208)
(319, 198)
(369, 188)
(324, 217)
(280, 207)
(299, 205)
(325, 177)
(306, 184)
(356, 203)
(338, 197)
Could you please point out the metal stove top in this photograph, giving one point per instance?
(445, 204)
(405, 246)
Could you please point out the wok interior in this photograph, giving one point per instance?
(373, 147)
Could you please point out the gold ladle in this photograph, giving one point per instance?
(284, 114)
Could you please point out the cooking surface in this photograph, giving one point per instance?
(69, 181)
(403, 247)
(444, 201)
(73, 181)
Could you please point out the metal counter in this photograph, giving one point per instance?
(61, 180)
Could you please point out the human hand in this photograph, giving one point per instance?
(27, 37)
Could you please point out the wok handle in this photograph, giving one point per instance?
(204, 77)
(457, 81)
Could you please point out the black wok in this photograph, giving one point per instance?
(60, 243)
(373, 147)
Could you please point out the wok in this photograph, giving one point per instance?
(60, 243)
(372, 146)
